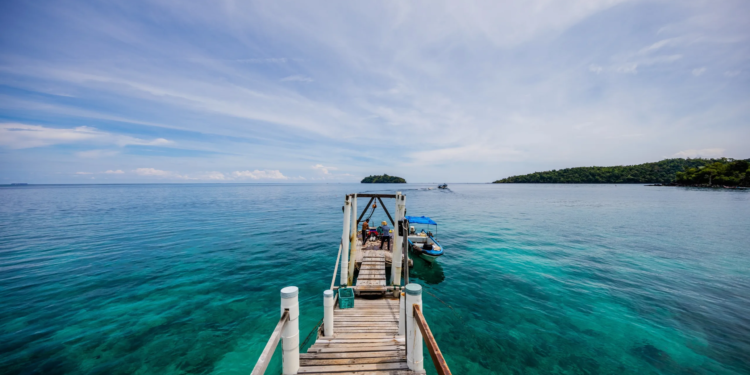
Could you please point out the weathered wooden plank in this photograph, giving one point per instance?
(323, 340)
(350, 361)
(347, 349)
(374, 313)
(316, 348)
(372, 268)
(344, 349)
(363, 367)
(371, 354)
(358, 344)
(362, 306)
(362, 336)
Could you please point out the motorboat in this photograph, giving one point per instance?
(423, 243)
(443, 186)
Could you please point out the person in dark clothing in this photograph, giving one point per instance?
(386, 237)
(365, 231)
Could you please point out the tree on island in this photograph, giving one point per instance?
(664, 172)
(384, 179)
(723, 172)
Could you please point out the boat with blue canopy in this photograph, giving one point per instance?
(424, 242)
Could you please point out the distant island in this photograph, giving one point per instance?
(725, 172)
(384, 179)
(668, 172)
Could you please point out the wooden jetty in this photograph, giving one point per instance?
(383, 332)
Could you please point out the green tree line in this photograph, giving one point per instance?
(724, 172)
(664, 172)
(384, 179)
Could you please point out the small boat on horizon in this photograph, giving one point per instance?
(423, 243)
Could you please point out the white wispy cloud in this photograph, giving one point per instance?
(156, 173)
(259, 175)
(115, 171)
(270, 174)
(19, 136)
(699, 71)
(474, 90)
(702, 153)
(95, 154)
(323, 169)
(297, 78)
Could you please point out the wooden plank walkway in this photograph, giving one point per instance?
(372, 269)
(365, 341)
(374, 247)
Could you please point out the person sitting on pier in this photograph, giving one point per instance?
(386, 237)
(365, 230)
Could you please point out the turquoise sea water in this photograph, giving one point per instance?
(537, 279)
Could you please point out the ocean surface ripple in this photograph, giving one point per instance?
(537, 279)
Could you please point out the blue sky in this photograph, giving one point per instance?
(225, 91)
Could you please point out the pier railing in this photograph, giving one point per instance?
(437, 356)
(273, 342)
(286, 331)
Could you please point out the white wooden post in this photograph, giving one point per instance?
(353, 239)
(414, 357)
(401, 316)
(290, 334)
(398, 249)
(345, 243)
(328, 313)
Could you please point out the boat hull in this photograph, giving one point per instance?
(429, 258)
(432, 258)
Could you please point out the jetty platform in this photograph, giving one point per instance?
(366, 338)
(380, 328)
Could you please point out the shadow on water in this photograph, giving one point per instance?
(430, 273)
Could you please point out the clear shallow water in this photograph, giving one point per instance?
(562, 279)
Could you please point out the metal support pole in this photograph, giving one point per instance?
(353, 240)
(398, 244)
(401, 316)
(406, 254)
(328, 313)
(414, 355)
(345, 243)
(290, 334)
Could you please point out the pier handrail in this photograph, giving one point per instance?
(437, 357)
(336, 268)
(273, 342)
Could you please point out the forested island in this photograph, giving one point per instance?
(668, 172)
(725, 172)
(384, 179)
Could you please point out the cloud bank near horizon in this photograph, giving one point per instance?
(470, 91)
